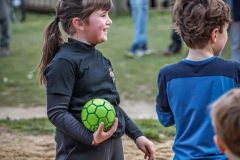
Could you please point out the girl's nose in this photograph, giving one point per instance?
(109, 21)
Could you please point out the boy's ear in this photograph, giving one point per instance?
(77, 23)
(219, 144)
(213, 35)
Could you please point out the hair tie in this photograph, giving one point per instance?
(57, 19)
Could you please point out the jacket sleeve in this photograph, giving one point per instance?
(57, 111)
(164, 113)
(131, 129)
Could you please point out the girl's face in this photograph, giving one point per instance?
(97, 27)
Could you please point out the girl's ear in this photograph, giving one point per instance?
(213, 35)
(77, 23)
(219, 143)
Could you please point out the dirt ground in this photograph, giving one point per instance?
(16, 146)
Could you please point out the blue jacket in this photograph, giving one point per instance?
(186, 89)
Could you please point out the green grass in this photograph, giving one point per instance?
(33, 126)
(151, 128)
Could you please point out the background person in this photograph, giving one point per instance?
(5, 27)
(139, 13)
(176, 45)
(234, 29)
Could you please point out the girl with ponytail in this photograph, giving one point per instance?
(74, 72)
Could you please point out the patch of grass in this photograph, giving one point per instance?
(40, 126)
(154, 130)
(151, 128)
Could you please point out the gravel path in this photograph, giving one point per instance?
(135, 110)
(17, 146)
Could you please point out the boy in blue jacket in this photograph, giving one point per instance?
(187, 87)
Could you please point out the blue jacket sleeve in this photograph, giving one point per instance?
(164, 113)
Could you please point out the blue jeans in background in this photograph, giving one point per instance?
(139, 11)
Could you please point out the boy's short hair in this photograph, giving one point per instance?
(196, 19)
(226, 119)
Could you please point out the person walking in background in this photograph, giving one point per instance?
(164, 3)
(225, 113)
(5, 27)
(139, 13)
(176, 45)
(234, 29)
(186, 88)
(75, 72)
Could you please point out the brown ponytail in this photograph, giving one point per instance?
(51, 44)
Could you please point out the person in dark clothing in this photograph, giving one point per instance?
(75, 72)
(176, 44)
(5, 27)
(234, 29)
